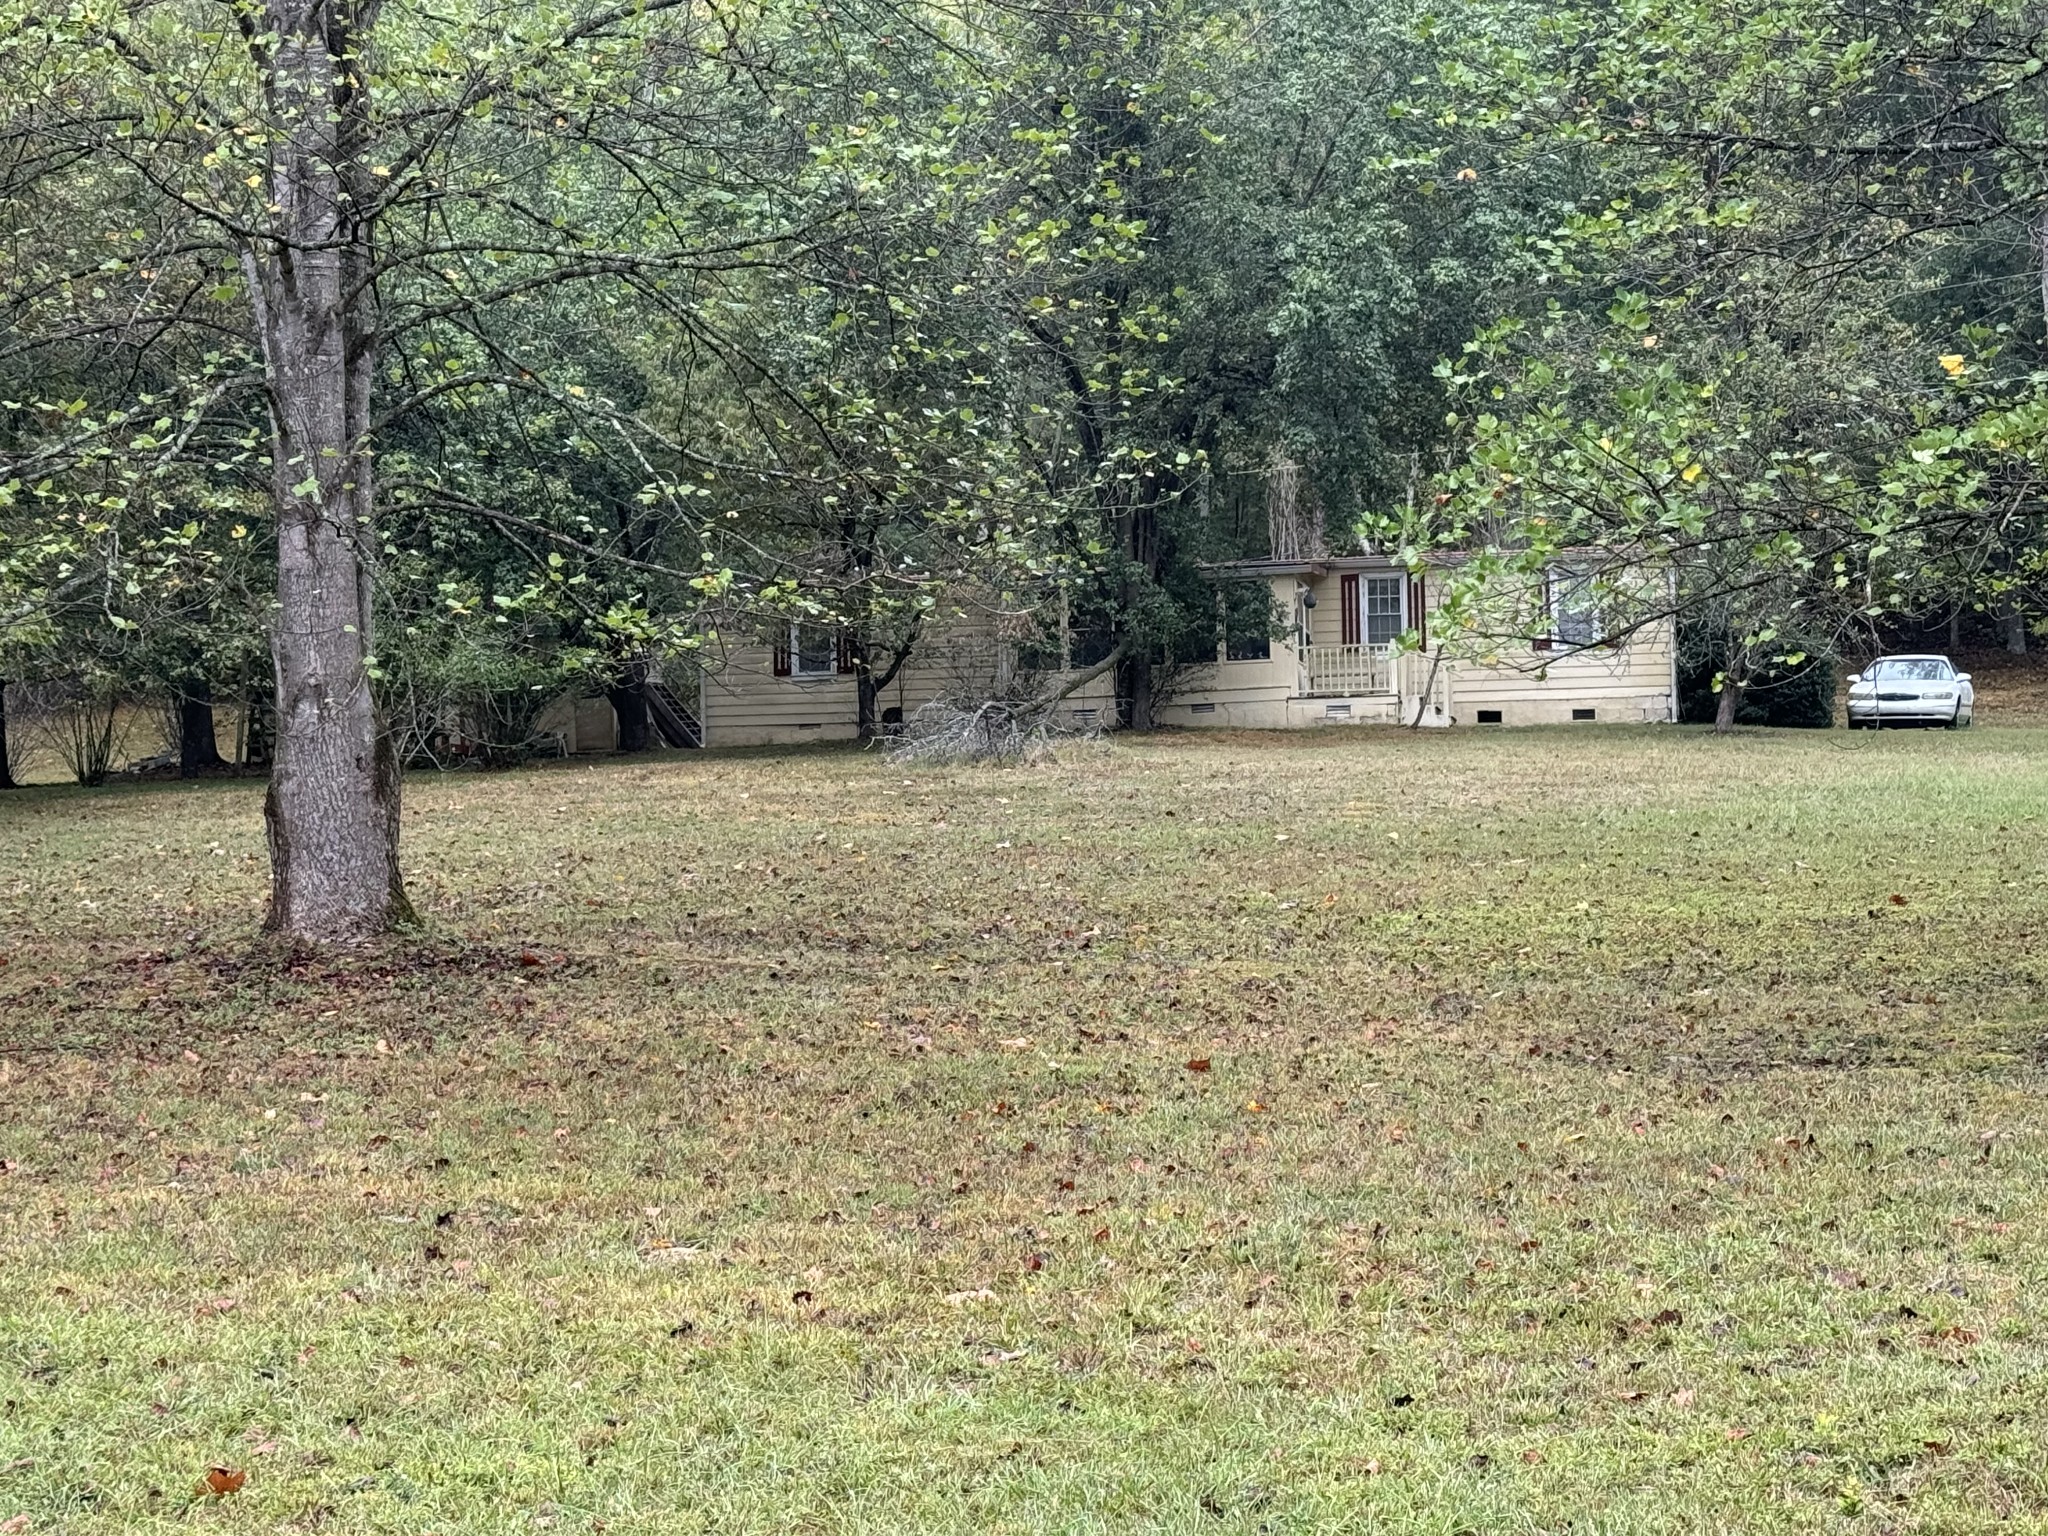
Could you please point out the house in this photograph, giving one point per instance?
(1339, 659)
(799, 685)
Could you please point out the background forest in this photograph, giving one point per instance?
(650, 325)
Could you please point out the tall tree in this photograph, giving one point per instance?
(345, 194)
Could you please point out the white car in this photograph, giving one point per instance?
(1910, 690)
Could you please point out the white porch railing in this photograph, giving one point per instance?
(1346, 671)
(1425, 685)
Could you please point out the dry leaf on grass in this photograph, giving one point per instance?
(219, 1482)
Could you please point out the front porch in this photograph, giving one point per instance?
(1338, 683)
(1344, 671)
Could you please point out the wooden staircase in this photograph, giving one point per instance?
(678, 726)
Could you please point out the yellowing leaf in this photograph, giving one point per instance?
(1951, 364)
(1692, 472)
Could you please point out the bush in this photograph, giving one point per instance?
(1801, 697)
(85, 727)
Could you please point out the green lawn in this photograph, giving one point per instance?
(1613, 1130)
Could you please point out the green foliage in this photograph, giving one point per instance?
(1779, 692)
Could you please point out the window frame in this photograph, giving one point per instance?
(1562, 615)
(1366, 615)
(830, 650)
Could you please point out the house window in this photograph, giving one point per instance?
(1384, 620)
(1574, 607)
(813, 650)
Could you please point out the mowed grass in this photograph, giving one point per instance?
(1604, 1131)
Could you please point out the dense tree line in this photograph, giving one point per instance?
(361, 355)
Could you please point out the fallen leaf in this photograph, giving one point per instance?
(962, 1298)
(1682, 1398)
(529, 959)
(1736, 1432)
(219, 1482)
(1198, 1064)
(14, 1525)
(1003, 1356)
(1897, 899)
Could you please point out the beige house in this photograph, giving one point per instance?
(1339, 661)
(800, 687)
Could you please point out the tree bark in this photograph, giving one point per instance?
(332, 813)
(867, 697)
(628, 692)
(868, 683)
(6, 763)
(2012, 628)
(1724, 711)
(1134, 689)
(198, 752)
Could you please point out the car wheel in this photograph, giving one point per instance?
(1955, 720)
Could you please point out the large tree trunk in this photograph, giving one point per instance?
(198, 751)
(628, 692)
(6, 763)
(1724, 712)
(1134, 691)
(867, 696)
(332, 812)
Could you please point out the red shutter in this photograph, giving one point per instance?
(1347, 603)
(782, 655)
(1418, 612)
(845, 652)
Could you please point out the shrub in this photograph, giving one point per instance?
(1801, 696)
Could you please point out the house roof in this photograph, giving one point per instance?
(1322, 565)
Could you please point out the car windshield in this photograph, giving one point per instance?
(1912, 669)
